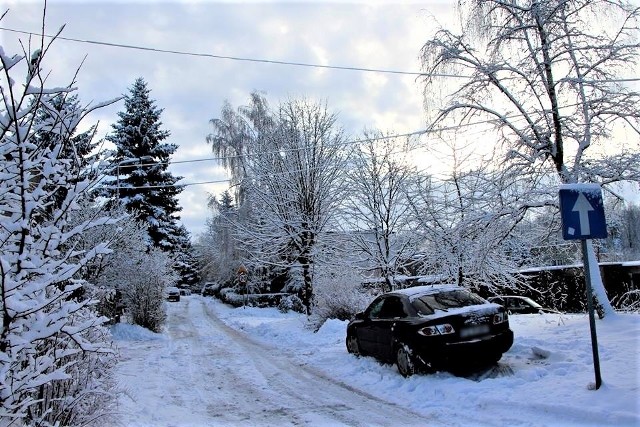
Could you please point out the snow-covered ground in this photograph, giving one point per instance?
(534, 390)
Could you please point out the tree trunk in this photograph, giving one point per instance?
(307, 291)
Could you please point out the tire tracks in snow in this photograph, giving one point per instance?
(306, 396)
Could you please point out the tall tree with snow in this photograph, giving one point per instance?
(79, 148)
(378, 213)
(143, 184)
(217, 247)
(55, 357)
(184, 258)
(550, 82)
(234, 138)
(295, 190)
(141, 159)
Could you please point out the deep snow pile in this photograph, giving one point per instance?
(551, 361)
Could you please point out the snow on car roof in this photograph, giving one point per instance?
(507, 296)
(426, 290)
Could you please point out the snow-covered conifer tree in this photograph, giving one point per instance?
(55, 357)
(184, 259)
(141, 159)
(146, 188)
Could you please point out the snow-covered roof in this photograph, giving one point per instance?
(578, 265)
(426, 290)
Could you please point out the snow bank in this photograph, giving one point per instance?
(127, 332)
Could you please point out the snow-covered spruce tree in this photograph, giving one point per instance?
(146, 188)
(141, 160)
(551, 82)
(79, 148)
(55, 356)
(184, 259)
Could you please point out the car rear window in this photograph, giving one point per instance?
(443, 301)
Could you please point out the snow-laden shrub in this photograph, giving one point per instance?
(55, 356)
(628, 302)
(291, 303)
(143, 293)
(338, 295)
(229, 296)
(132, 276)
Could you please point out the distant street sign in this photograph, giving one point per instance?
(582, 212)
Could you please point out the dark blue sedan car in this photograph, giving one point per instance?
(431, 327)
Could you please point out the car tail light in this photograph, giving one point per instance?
(443, 329)
(500, 318)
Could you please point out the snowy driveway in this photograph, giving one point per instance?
(214, 375)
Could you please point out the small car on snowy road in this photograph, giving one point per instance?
(172, 293)
(431, 327)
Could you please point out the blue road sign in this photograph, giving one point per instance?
(582, 212)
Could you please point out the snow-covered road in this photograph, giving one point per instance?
(215, 375)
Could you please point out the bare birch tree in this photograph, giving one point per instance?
(234, 138)
(378, 214)
(296, 174)
(549, 80)
(548, 76)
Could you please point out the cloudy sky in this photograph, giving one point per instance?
(191, 88)
(176, 47)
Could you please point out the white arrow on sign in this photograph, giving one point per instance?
(583, 207)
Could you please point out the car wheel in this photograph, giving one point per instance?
(405, 360)
(352, 345)
(496, 358)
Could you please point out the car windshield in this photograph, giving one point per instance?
(532, 303)
(444, 301)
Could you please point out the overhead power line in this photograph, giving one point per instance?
(427, 131)
(271, 61)
(231, 58)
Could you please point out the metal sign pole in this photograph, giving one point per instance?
(582, 212)
(592, 320)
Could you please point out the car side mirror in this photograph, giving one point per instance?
(360, 315)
